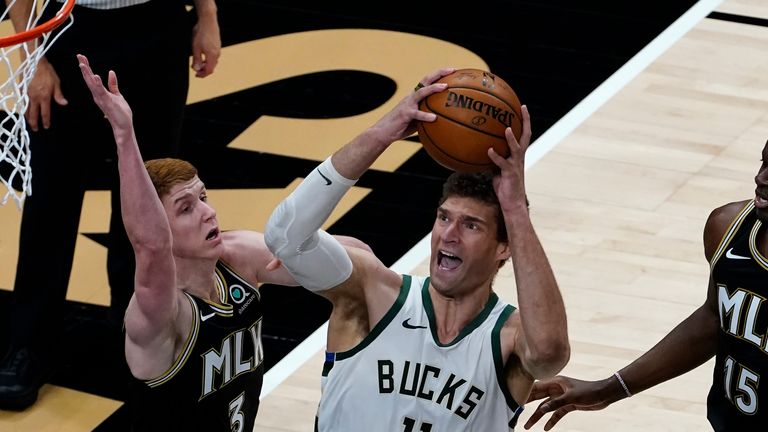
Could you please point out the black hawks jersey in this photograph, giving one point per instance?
(215, 383)
(740, 275)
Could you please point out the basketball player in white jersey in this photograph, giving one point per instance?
(432, 354)
(731, 325)
(193, 325)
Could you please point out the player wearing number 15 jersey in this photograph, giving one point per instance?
(740, 273)
(731, 325)
(432, 354)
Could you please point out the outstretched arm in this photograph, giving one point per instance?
(542, 344)
(145, 220)
(687, 346)
(315, 259)
(248, 254)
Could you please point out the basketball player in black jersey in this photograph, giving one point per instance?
(732, 325)
(193, 325)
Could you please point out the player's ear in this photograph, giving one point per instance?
(503, 251)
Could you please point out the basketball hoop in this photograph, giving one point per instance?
(16, 72)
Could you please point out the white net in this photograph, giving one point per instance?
(18, 62)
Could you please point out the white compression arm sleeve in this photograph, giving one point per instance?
(313, 257)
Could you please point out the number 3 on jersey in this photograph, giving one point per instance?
(409, 425)
(745, 396)
(236, 416)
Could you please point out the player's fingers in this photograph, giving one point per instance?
(91, 80)
(436, 75)
(84, 61)
(427, 90)
(540, 392)
(535, 417)
(33, 114)
(45, 113)
(525, 138)
(556, 417)
(94, 84)
(273, 264)
(112, 82)
(58, 96)
(511, 138)
(197, 61)
(553, 404)
(424, 116)
(211, 60)
(85, 68)
(208, 68)
(205, 71)
(495, 157)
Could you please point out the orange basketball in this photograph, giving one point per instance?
(472, 114)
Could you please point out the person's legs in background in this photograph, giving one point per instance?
(65, 154)
(46, 247)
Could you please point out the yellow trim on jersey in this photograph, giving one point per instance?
(225, 308)
(235, 274)
(732, 229)
(222, 308)
(753, 246)
(188, 345)
(221, 285)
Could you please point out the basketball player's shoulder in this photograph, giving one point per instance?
(721, 217)
(511, 333)
(235, 240)
(370, 271)
(513, 319)
(718, 222)
(726, 212)
(512, 326)
(243, 244)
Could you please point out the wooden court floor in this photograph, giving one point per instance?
(620, 187)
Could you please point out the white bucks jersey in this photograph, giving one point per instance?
(400, 378)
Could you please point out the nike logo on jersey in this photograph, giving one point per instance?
(732, 255)
(205, 317)
(408, 325)
(327, 180)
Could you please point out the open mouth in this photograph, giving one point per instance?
(212, 234)
(448, 261)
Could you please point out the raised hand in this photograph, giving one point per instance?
(510, 182)
(110, 101)
(400, 122)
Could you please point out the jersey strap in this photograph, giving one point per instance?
(331, 357)
(188, 346)
(499, 363)
(732, 230)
